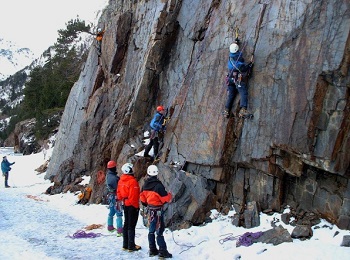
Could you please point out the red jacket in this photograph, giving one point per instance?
(99, 35)
(153, 193)
(129, 190)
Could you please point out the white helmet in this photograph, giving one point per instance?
(234, 47)
(99, 30)
(152, 170)
(127, 168)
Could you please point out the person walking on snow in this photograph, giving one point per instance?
(157, 128)
(238, 73)
(154, 196)
(128, 191)
(5, 168)
(115, 207)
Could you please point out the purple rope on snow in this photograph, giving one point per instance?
(247, 238)
(83, 234)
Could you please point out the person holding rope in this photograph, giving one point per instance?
(153, 195)
(157, 129)
(237, 80)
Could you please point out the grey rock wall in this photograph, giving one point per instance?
(175, 53)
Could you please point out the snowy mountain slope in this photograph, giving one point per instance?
(13, 58)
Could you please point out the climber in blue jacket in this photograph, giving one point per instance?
(5, 168)
(236, 81)
(157, 128)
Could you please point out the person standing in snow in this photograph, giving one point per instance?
(115, 207)
(154, 196)
(5, 167)
(128, 191)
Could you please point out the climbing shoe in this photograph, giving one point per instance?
(119, 232)
(135, 248)
(243, 113)
(164, 254)
(226, 113)
(153, 252)
(111, 229)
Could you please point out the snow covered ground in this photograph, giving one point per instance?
(34, 225)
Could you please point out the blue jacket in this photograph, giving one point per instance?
(5, 165)
(236, 62)
(157, 122)
(112, 180)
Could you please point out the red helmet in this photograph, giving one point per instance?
(111, 164)
(160, 108)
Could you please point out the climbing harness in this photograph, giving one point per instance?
(149, 213)
(155, 212)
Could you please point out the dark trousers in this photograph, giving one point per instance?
(156, 225)
(232, 91)
(6, 175)
(131, 215)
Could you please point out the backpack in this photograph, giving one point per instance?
(84, 196)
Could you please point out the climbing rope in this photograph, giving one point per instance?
(83, 234)
(228, 237)
(185, 245)
(242, 240)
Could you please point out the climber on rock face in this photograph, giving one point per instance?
(237, 80)
(157, 128)
(99, 37)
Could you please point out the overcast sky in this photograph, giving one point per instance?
(34, 23)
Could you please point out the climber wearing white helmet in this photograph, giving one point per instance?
(129, 192)
(154, 196)
(236, 81)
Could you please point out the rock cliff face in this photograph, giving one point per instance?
(294, 151)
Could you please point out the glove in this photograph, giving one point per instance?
(237, 40)
(13, 162)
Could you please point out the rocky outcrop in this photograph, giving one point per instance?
(174, 53)
(23, 138)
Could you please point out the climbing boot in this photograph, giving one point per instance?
(135, 248)
(153, 252)
(164, 254)
(111, 229)
(119, 232)
(226, 113)
(243, 113)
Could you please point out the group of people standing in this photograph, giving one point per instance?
(124, 195)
